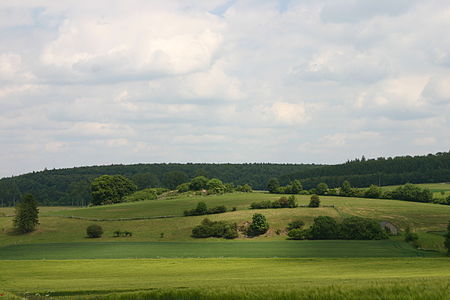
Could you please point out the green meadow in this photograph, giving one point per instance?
(162, 261)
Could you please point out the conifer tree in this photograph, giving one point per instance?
(26, 218)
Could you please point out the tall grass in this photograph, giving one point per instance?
(425, 289)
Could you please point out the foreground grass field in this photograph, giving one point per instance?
(282, 249)
(76, 278)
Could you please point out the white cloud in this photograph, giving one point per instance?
(215, 80)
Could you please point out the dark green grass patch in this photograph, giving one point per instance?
(287, 249)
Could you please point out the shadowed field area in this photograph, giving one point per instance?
(287, 249)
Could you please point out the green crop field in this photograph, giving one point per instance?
(78, 277)
(286, 249)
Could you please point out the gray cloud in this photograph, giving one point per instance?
(147, 81)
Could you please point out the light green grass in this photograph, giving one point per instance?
(143, 274)
(286, 249)
(422, 217)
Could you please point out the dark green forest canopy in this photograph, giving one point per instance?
(71, 186)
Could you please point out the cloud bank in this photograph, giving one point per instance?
(324, 81)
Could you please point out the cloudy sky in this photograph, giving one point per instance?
(101, 82)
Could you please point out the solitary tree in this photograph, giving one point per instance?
(259, 225)
(27, 212)
(315, 201)
(94, 231)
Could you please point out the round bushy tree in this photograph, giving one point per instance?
(199, 183)
(259, 225)
(324, 228)
(215, 186)
(108, 189)
(94, 231)
(272, 185)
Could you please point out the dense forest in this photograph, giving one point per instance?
(72, 186)
(381, 171)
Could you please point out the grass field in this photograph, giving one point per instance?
(285, 249)
(59, 261)
(76, 277)
(55, 227)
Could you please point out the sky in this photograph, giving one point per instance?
(312, 81)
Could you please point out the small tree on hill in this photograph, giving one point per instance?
(26, 218)
(315, 201)
(259, 225)
(108, 189)
(94, 231)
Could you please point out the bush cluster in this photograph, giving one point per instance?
(283, 202)
(202, 209)
(119, 233)
(326, 228)
(219, 229)
(211, 186)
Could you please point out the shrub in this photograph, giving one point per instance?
(296, 224)
(219, 229)
(184, 187)
(321, 188)
(258, 226)
(233, 208)
(373, 191)
(357, 228)
(94, 231)
(215, 186)
(410, 192)
(202, 209)
(145, 194)
(298, 234)
(217, 210)
(198, 183)
(246, 188)
(324, 228)
(261, 205)
(315, 201)
(283, 202)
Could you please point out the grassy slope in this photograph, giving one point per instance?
(116, 275)
(420, 216)
(284, 249)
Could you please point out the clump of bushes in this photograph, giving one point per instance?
(315, 201)
(326, 228)
(219, 229)
(211, 186)
(94, 231)
(258, 226)
(119, 233)
(202, 209)
(283, 202)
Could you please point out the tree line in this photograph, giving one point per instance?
(72, 186)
